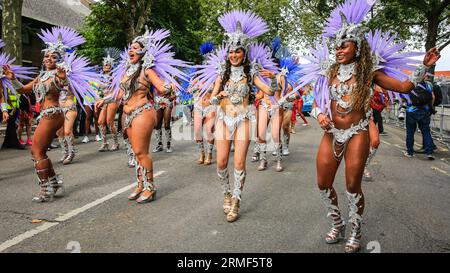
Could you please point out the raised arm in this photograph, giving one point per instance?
(16, 84)
(162, 87)
(390, 83)
(264, 87)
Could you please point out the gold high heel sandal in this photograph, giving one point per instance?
(208, 159)
(233, 213)
(227, 203)
(201, 158)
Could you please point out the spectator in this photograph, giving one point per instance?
(378, 103)
(418, 113)
(26, 116)
(11, 140)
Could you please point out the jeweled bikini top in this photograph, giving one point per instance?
(235, 88)
(42, 87)
(339, 91)
(129, 90)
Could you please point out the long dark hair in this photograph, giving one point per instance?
(137, 74)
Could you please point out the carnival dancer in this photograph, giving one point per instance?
(164, 105)
(63, 72)
(150, 63)
(234, 68)
(204, 115)
(270, 111)
(108, 111)
(66, 139)
(342, 93)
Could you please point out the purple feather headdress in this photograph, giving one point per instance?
(315, 73)
(79, 74)
(2, 44)
(150, 38)
(19, 71)
(344, 22)
(387, 57)
(61, 39)
(241, 27)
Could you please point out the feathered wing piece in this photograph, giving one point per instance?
(315, 73)
(2, 44)
(344, 22)
(112, 54)
(184, 95)
(61, 39)
(260, 57)
(19, 71)
(241, 27)
(387, 56)
(291, 70)
(160, 58)
(118, 71)
(212, 68)
(276, 46)
(165, 65)
(79, 74)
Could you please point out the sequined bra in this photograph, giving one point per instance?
(128, 90)
(42, 87)
(237, 90)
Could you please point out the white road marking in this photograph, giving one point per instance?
(439, 170)
(398, 146)
(31, 233)
(385, 142)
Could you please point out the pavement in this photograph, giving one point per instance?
(406, 204)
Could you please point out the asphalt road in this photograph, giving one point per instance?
(407, 206)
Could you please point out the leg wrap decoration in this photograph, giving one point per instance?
(103, 134)
(263, 150)
(239, 180)
(353, 242)
(278, 151)
(130, 154)
(209, 148)
(70, 144)
(141, 176)
(46, 190)
(372, 154)
(256, 149)
(201, 147)
(286, 139)
(338, 224)
(168, 133)
(64, 148)
(224, 180)
(159, 136)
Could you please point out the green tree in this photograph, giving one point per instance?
(409, 18)
(12, 28)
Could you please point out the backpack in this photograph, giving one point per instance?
(421, 96)
(437, 91)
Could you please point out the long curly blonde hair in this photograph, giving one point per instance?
(360, 96)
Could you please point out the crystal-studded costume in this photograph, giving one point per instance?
(108, 111)
(73, 76)
(236, 85)
(132, 83)
(335, 103)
